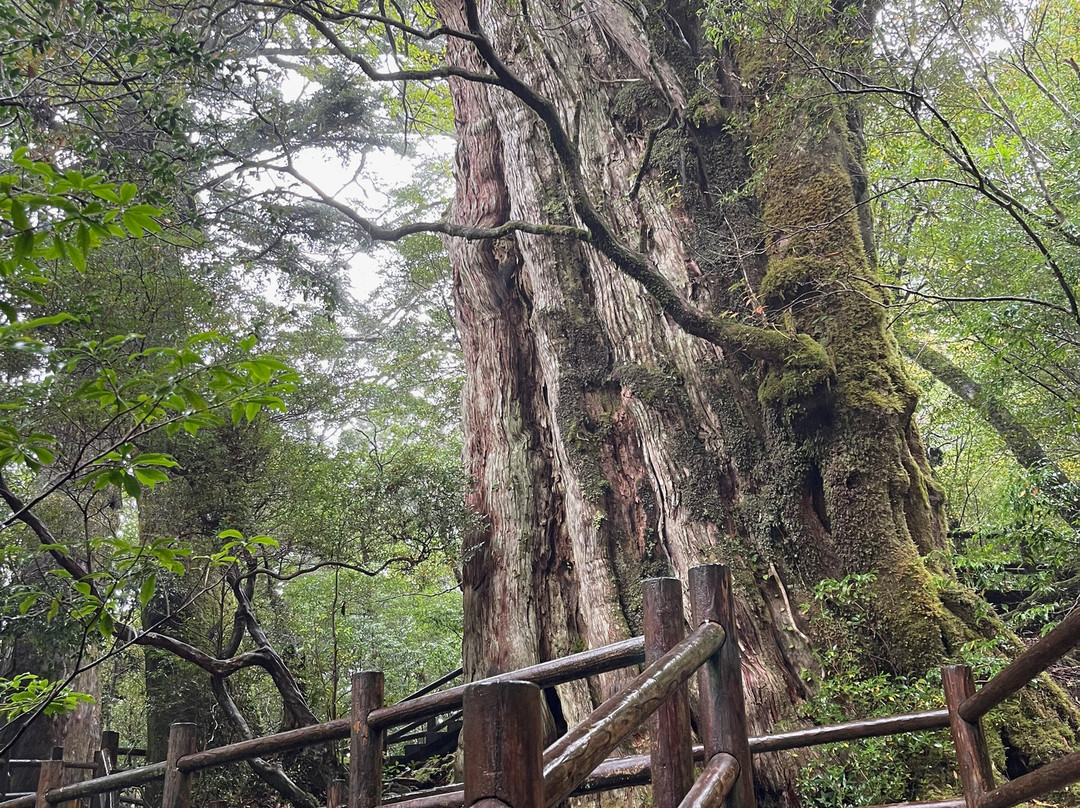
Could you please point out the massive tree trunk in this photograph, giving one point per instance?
(609, 445)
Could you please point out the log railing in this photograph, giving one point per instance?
(106, 761)
(506, 766)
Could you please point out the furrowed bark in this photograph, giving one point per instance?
(612, 440)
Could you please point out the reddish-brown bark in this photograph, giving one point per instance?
(606, 443)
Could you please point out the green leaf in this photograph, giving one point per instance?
(231, 534)
(145, 210)
(18, 215)
(193, 399)
(106, 192)
(156, 459)
(133, 224)
(59, 248)
(24, 244)
(131, 486)
(78, 259)
(54, 609)
(43, 455)
(52, 319)
(251, 410)
(151, 477)
(146, 591)
(127, 192)
(28, 602)
(83, 239)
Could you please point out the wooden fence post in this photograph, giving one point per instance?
(105, 761)
(723, 707)
(670, 747)
(176, 792)
(503, 735)
(366, 744)
(57, 756)
(51, 776)
(5, 777)
(972, 756)
(337, 795)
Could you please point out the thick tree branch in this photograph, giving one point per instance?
(398, 75)
(297, 711)
(342, 15)
(377, 232)
(273, 776)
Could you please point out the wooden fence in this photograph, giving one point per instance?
(506, 765)
(52, 771)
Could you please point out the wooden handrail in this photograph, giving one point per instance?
(1062, 772)
(99, 785)
(442, 680)
(714, 784)
(545, 674)
(404, 734)
(266, 745)
(569, 760)
(587, 663)
(634, 770)
(16, 763)
(850, 731)
(953, 802)
(1024, 668)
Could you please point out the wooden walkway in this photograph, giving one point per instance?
(506, 765)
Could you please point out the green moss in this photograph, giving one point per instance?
(668, 157)
(636, 104)
(584, 437)
(805, 375)
(705, 111)
(1029, 727)
(651, 385)
(630, 577)
(671, 51)
(790, 279)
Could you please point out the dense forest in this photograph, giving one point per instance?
(414, 336)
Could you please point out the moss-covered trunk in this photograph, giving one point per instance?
(606, 444)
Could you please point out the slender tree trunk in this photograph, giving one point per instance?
(1023, 445)
(608, 445)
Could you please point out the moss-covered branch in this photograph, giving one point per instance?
(1017, 438)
